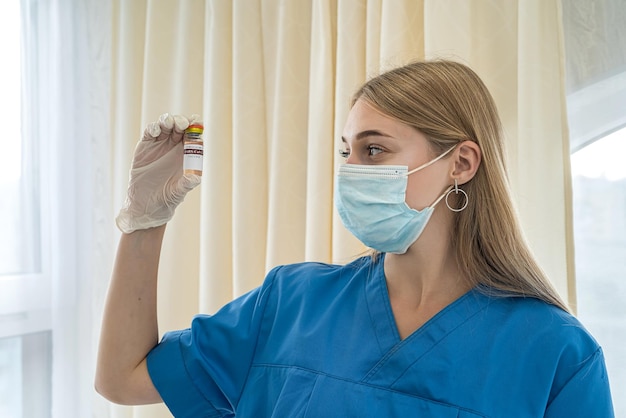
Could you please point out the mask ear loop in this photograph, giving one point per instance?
(456, 190)
(430, 162)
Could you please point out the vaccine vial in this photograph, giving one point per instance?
(193, 149)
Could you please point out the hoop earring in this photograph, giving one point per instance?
(456, 190)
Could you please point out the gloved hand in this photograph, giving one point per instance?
(157, 184)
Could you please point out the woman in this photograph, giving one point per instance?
(450, 316)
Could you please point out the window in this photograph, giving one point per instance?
(25, 342)
(595, 58)
(599, 183)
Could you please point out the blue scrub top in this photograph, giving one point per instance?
(319, 340)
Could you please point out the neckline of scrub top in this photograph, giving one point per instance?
(399, 354)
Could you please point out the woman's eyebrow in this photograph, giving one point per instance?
(365, 134)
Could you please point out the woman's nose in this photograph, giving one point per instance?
(352, 159)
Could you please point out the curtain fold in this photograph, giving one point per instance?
(216, 238)
(320, 131)
(273, 81)
(286, 39)
(67, 49)
(545, 195)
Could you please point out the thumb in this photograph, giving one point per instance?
(189, 181)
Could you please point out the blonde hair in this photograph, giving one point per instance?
(449, 103)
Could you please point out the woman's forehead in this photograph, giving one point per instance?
(363, 117)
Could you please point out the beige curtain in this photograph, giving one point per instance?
(272, 80)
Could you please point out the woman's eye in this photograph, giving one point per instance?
(374, 150)
(344, 153)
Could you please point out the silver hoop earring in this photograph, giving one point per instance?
(456, 190)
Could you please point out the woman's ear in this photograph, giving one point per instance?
(467, 157)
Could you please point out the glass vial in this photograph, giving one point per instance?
(193, 149)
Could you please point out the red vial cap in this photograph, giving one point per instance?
(195, 128)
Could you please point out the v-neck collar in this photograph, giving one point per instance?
(401, 353)
(379, 306)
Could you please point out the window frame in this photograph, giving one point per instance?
(596, 111)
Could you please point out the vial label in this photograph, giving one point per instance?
(192, 159)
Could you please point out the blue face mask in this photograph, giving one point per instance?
(370, 200)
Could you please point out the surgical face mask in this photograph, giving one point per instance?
(371, 202)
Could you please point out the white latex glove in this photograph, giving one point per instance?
(157, 184)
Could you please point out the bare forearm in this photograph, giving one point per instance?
(129, 327)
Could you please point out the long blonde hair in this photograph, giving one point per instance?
(449, 103)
